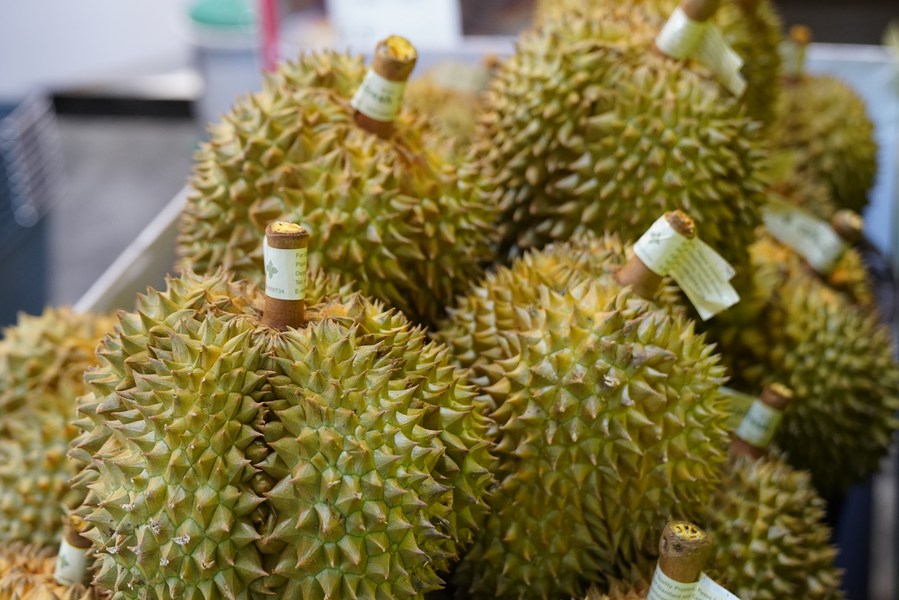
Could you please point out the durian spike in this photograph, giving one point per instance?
(683, 551)
(794, 55)
(641, 278)
(700, 10)
(394, 59)
(848, 224)
(285, 250)
(775, 396)
(72, 559)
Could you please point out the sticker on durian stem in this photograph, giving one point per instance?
(812, 238)
(701, 273)
(71, 564)
(760, 424)
(665, 588)
(285, 272)
(682, 37)
(379, 98)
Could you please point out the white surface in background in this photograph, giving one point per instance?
(423, 22)
(48, 44)
(873, 72)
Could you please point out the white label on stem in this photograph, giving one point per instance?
(665, 588)
(709, 589)
(285, 272)
(379, 98)
(71, 564)
(760, 424)
(701, 272)
(682, 37)
(814, 239)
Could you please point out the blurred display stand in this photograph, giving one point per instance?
(30, 184)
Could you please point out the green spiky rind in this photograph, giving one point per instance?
(754, 33)
(588, 129)
(381, 463)
(608, 422)
(790, 184)
(42, 363)
(26, 573)
(839, 361)
(771, 541)
(826, 124)
(474, 330)
(395, 215)
(192, 483)
(176, 505)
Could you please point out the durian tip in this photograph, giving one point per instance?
(848, 224)
(777, 396)
(284, 257)
(394, 58)
(683, 550)
(700, 10)
(681, 223)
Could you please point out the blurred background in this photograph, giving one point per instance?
(103, 102)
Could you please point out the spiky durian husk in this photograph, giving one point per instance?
(824, 122)
(394, 215)
(838, 360)
(26, 573)
(751, 28)
(581, 380)
(42, 364)
(788, 183)
(587, 128)
(771, 541)
(341, 458)
(450, 95)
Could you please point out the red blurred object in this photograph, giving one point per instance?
(268, 17)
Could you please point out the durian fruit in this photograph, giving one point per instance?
(836, 358)
(768, 520)
(42, 364)
(608, 421)
(786, 182)
(588, 128)
(396, 215)
(616, 592)
(824, 123)
(26, 573)
(771, 538)
(344, 458)
(751, 27)
(451, 94)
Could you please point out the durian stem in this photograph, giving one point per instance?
(69, 570)
(641, 278)
(700, 10)
(289, 307)
(776, 396)
(683, 550)
(848, 224)
(794, 60)
(394, 59)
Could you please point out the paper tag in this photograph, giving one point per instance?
(739, 404)
(701, 272)
(285, 272)
(760, 424)
(71, 564)
(813, 239)
(379, 98)
(682, 37)
(665, 588)
(709, 589)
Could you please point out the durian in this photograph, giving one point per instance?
(396, 215)
(616, 592)
(341, 459)
(588, 128)
(751, 27)
(42, 364)
(835, 356)
(824, 123)
(26, 573)
(450, 95)
(608, 421)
